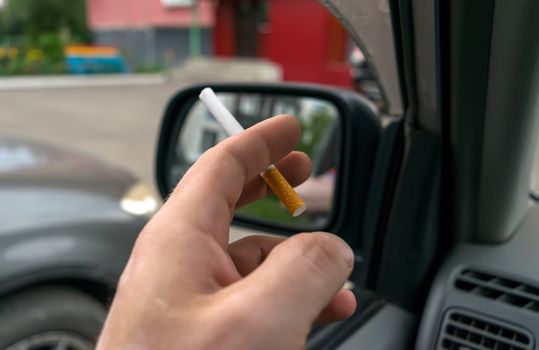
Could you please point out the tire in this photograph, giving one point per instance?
(60, 316)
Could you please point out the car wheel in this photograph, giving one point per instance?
(50, 318)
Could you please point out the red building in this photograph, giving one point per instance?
(300, 35)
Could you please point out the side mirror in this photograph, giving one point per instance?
(331, 122)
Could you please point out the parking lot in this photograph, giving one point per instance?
(115, 118)
(118, 124)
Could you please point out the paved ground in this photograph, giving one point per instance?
(115, 118)
(118, 124)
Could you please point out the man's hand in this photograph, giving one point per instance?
(185, 287)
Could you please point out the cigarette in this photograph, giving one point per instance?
(272, 176)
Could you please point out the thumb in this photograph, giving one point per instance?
(299, 277)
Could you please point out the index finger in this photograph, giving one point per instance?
(206, 197)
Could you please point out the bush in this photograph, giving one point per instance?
(51, 46)
(44, 55)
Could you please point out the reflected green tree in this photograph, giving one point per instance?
(314, 128)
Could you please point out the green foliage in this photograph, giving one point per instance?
(51, 45)
(270, 209)
(36, 32)
(45, 58)
(314, 129)
(35, 17)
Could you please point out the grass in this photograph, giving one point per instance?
(270, 209)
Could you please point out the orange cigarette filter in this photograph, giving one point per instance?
(282, 189)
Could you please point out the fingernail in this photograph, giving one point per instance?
(346, 252)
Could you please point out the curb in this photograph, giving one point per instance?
(60, 81)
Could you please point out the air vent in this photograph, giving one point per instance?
(463, 330)
(499, 288)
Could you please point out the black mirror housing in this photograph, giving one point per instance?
(360, 133)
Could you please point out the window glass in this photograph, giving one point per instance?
(83, 89)
(85, 84)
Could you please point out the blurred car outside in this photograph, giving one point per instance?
(362, 77)
(68, 224)
(68, 220)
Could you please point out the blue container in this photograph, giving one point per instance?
(96, 64)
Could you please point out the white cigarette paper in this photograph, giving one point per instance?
(220, 112)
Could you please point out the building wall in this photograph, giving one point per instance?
(173, 44)
(163, 47)
(148, 32)
(312, 47)
(116, 14)
(300, 35)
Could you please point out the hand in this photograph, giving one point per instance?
(185, 287)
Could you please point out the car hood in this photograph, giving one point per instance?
(28, 164)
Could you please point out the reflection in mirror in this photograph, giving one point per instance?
(320, 134)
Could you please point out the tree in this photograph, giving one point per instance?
(66, 18)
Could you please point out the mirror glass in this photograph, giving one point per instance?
(320, 139)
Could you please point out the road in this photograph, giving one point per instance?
(115, 118)
(118, 124)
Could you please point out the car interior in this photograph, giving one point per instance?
(432, 189)
(430, 174)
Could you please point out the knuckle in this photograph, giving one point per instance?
(253, 240)
(260, 147)
(229, 311)
(248, 150)
(240, 254)
(230, 153)
(246, 244)
(257, 240)
(249, 249)
(320, 251)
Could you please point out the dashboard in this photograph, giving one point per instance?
(486, 296)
